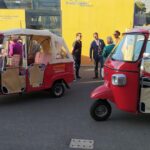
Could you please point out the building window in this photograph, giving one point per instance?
(142, 12)
(26, 4)
(40, 14)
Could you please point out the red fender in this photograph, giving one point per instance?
(102, 92)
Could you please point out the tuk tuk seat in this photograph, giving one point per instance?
(42, 58)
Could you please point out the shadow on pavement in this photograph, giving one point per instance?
(24, 98)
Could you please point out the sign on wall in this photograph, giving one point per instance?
(86, 3)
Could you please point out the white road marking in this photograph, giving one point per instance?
(81, 144)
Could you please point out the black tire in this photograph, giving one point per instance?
(100, 110)
(58, 90)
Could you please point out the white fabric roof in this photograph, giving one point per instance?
(42, 33)
(30, 32)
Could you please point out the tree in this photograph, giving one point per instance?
(140, 6)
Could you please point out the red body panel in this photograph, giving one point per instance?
(53, 72)
(145, 74)
(103, 92)
(126, 97)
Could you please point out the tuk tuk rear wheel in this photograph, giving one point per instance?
(100, 110)
(58, 90)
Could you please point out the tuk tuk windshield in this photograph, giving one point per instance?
(129, 48)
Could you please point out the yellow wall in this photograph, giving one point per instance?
(88, 16)
(12, 19)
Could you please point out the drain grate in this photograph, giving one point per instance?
(81, 144)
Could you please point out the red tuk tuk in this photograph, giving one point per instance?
(34, 60)
(126, 77)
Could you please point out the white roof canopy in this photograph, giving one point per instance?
(28, 32)
(54, 39)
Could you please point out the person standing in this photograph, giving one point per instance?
(15, 47)
(107, 49)
(15, 51)
(96, 50)
(76, 52)
(117, 37)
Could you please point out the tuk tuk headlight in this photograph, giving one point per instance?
(119, 79)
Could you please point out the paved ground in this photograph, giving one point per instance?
(38, 122)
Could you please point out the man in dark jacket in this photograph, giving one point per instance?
(96, 50)
(76, 52)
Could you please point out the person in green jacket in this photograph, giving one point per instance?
(107, 49)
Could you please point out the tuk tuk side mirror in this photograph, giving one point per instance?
(146, 55)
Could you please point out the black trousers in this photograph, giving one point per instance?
(77, 65)
(97, 61)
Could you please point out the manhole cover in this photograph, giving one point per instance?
(81, 144)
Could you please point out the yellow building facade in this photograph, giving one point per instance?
(12, 19)
(85, 16)
(89, 16)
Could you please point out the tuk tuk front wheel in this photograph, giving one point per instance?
(100, 110)
(58, 90)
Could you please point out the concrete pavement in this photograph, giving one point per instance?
(37, 121)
